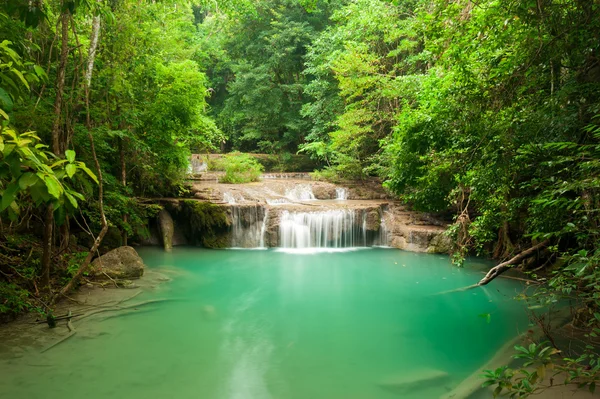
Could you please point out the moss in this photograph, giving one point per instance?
(209, 223)
(216, 241)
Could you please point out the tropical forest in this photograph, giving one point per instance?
(299, 199)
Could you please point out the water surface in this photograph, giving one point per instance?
(275, 325)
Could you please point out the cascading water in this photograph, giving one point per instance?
(249, 226)
(300, 192)
(383, 232)
(326, 229)
(229, 198)
(341, 194)
(263, 229)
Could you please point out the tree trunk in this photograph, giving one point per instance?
(123, 182)
(92, 50)
(47, 246)
(57, 143)
(504, 266)
(88, 259)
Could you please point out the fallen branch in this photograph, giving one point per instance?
(504, 266)
(63, 339)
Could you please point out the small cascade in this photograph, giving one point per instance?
(300, 192)
(229, 198)
(324, 229)
(341, 194)
(248, 226)
(383, 238)
(263, 229)
(277, 201)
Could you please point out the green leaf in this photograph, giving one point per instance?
(39, 192)
(40, 71)
(9, 195)
(53, 186)
(70, 155)
(71, 199)
(71, 170)
(88, 171)
(4, 114)
(78, 195)
(5, 101)
(27, 180)
(60, 214)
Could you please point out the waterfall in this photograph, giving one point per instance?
(229, 198)
(383, 232)
(263, 229)
(341, 194)
(300, 192)
(249, 226)
(325, 229)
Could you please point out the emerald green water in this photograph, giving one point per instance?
(272, 325)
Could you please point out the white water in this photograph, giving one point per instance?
(300, 192)
(229, 198)
(325, 229)
(249, 226)
(263, 229)
(278, 201)
(341, 194)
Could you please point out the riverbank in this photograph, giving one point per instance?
(89, 304)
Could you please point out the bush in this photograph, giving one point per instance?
(240, 168)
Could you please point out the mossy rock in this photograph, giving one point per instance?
(209, 224)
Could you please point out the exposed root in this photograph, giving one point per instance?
(60, 341)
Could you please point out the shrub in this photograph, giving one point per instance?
(240, 168)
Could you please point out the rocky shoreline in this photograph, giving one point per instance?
(118, 289)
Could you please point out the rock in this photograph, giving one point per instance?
(413, 380)
(120, 263)
(440, 244)
(373, 221)
(167, 228)
(324, 191)
(415, 238)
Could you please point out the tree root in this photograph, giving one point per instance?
(60, 341)
(117, 308)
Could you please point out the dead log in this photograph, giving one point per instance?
(504, 266)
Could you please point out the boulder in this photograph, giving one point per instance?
(373, 221)
(440, 244)
(167, 228)
(120, 263)
(324, 191)
(413, 380)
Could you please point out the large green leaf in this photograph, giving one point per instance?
(88, 171)
(60, 214)
(27, 180)
(71, 170)
(9, 195)
(70, 155)
(5, 101)
(53, 185)
(71, 199)
(39, 193)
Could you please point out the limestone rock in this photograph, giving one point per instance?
(373, 221)
(413, 380)
(167, 228)
(324, 191)
(440, 244)
(120, 263)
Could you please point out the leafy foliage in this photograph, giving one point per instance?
(239, 168)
